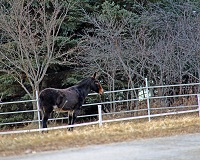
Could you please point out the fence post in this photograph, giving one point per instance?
(38, 110)
(148, 100)
(198, 97)
(100, 115)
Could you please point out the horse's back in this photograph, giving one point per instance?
(48, 94)
(51, 98)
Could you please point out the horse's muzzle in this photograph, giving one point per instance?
(100, 90)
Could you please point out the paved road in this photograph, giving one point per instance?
(184, 147)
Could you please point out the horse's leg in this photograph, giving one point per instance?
(45, 119)
(70, 119)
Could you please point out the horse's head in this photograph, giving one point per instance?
(95, 85)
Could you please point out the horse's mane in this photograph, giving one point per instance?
(84, 81)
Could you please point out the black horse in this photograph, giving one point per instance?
(67, 100)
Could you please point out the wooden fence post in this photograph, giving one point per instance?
(148, 100)
(100, 115)
(198, 98)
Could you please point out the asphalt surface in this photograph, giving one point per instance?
(180, 147)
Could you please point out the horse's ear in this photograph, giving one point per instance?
(94, 75)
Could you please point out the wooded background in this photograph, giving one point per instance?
(56, 43)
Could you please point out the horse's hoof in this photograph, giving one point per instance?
(43, 132)
(70, 129)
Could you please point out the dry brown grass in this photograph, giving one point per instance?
(108, 133)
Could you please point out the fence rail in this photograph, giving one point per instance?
(146, 98)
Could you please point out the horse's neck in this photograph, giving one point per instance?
(84, 87)
(84, 91)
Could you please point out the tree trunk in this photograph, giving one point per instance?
(34, 103)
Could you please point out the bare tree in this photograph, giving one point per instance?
(109, 46)
(161, 44)
(174, 43)
(32, 32)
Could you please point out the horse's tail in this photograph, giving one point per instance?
(40, 100)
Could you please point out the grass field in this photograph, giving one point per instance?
(27, 143)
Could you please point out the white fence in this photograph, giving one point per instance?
(148, 103)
